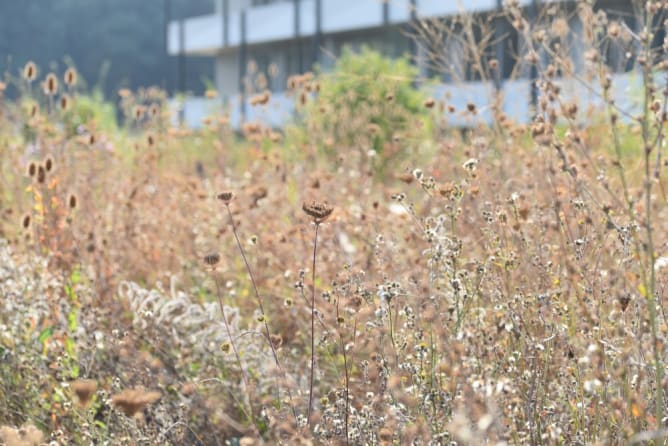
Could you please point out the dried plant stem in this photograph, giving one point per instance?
(310, 391)
(250, 415)
(260, 305)
(345, 367)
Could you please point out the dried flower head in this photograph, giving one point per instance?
(48, 164)
(70, 77)
(226, 197)
(212, 259)
(41, 174)
(318, 210)
(25, 221)
(64, 102)
(84, 389)
(30, 71)
(32, 169)
(429, 103)
(50, 84)
(72, 201)
(131, 401)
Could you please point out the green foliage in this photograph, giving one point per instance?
(365, 102)
(90, 108)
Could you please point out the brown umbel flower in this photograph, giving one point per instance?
(131, 401)
(226, 197)
(84, 390)
(212, 259)
(318, 210)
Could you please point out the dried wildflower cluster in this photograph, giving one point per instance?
(501, 284)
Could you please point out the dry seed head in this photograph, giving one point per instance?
(226, 197)
(70, 77)
(429, 103)
(32, 169)
(319, 211)
(30, 71)
(84, 390)
(50, 84)
(41, 174)
(131, 401)
(64, 102)
(72, 201)
(48, 164)
(25, 221)
(212, 259)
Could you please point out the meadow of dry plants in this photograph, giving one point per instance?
(366, 275)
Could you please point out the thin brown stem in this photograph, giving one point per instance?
(310, 392)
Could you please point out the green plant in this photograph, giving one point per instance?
(366, 105)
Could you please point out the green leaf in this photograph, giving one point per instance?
(45, 334)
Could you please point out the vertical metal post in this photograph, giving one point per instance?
(413, 5)
(499, 31)
(182, 56)
(317, 36)
(182, 67)
(242, 67)
(533, 75)
(298, 19)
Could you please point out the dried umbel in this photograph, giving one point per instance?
(50, 85)
(84, 389)
(226, 197)
(30, 71)
(131, 401)
(27, 435)
(319, 211)
(212, 259)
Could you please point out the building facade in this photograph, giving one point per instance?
(257, 44)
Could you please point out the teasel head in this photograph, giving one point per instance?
(317, 210)
(32, 169)
(41, 174)
(72, 201)
(25, 221)
(50, 84)
(70, 77)
(48, 164)
(64, 102)
(30, 71)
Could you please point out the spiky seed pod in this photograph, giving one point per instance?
(50, 84)
(70, 77)
(64, 102)
(30, 71)
(25, 221)
(319, 211)
(41, 174)
(48, 164)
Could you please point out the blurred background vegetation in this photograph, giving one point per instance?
(112, 43)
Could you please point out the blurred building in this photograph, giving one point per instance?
(260, 43)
